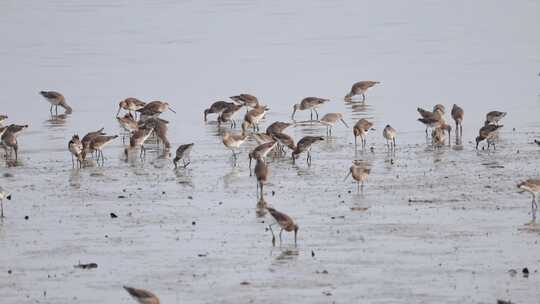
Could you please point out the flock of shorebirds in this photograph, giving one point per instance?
(141, 121)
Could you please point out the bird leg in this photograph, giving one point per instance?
(280, 232)
(363, 97)
(2, 208)
(314, 109)
(273, 235)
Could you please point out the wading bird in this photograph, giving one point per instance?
(360, 129)
(304, 145)
(217, 108)
(359, 172)
(183, 153)
(285, 222)
(457, 115)
(533, 187)
(360, 88)
(309, 103)
(493, 117)
(75, 146)
(488, 132)
(130, 104)
(389, 134)
(330, 119)
(56, 99)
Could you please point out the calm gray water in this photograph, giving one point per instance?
(482, 55)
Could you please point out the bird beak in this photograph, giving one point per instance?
(347, 176)
(172, 110)
(295, 234)
(118, 111)
(343, 121)
(292, 116)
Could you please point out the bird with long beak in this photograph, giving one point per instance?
(217, 108)
(130, 104)
(234, 141)
(246, 100)
(9, 139)
(361, 129)
(137, 139)
(142, 296)
(154, 108)
(533, 187)
(389, 134)
(261, 151)
(309, 103)
(285, 222)
(359, 172)
(261, 172)
(304, 145)
(56, 99)
(330, 119)
(360, 88)
(183, 153)
(228, 115)
(75, 146)
(489, 133)
(3, 195)
(494, 117)
(88, 138)
(457, 114)
(252, 118)
(277, 127)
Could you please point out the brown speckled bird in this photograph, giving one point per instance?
(360, 88)
(304, 145)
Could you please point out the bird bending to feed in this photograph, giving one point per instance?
(285, 222)
(493, 117)
(142, 296)
(234, 141)
(488, 132)
(389, 134)
(431, 119)
(3, 195)
(284, 140)
(252, 118)
(533, 187)
(56, 99)
(160, 130)
(227, 115)
(360, 88)
(261, 151)
(304, 145)
(437, 137)
(261, 172)
(217, 108)
(97, 143)
(457, 115)
(183, 153)
(130, 104)
(277, 127)
(9, 139)
(137, 139)
(246, 100)
(154, 108)
(128, 123)
(75, 146)
(330, 119)
(88, 138)
(359, 172)
(309, 103)
(360, 129)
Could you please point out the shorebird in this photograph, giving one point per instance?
(533, 187)
(217, 108)
(305, 144)
(227, 115)
(234, 141)
(437, 137)
(309, 103)
(3, 118)
(488, 132)
(128, 123)
(3, 195)
(252, 118)
(360, 172)
(142, 296)
(97, 143)
(183, 153)
(261, 172)
(88, 138)
(330, 119)
(261, 151)
(277, 127)
(130, 104)
(9, 139)
(155, 108)
(262, 138)
(160, 129)
(360, 88)
(431, 119)
(137, 139)
(389, 134)
(285, 222)
(360, 129)
(457, 115)
(493, 117)
(75, 146)
(56, 99)
(246, 100)
(284, 140)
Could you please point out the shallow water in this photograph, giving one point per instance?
(430, 226)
